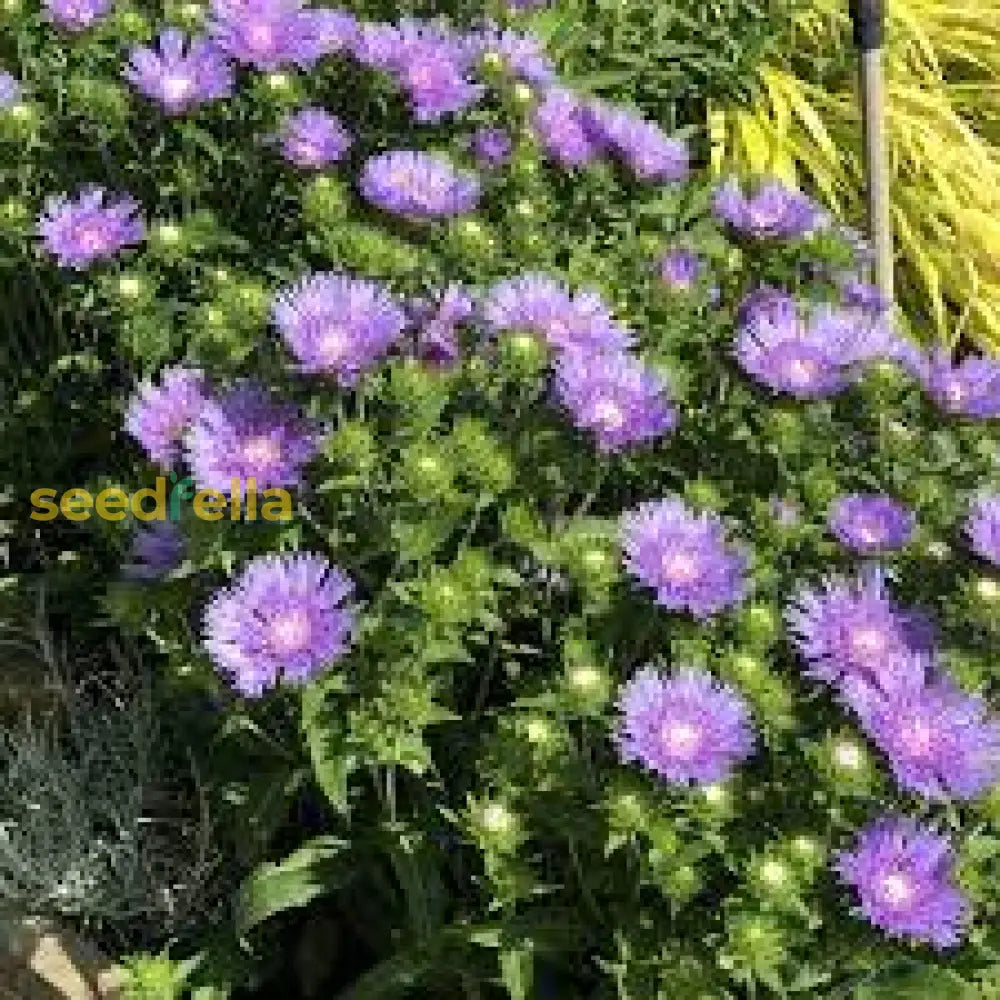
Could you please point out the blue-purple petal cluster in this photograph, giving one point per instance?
(560, 123)
(419, 185)
(970, 388)
(91, 227)
(615, 397)
(641, 145)
(870, 523)
(904, 876)
(337, 325)
(680, 269)
(245, 434)
(179, 74)
(284, 619)
(983, 528)
(772, 211)
(437, 323)
(159, 415)
(157, 548)
(269, 34)
(312, 138)
(521, 53)
(491, 147)
(77, 15)
(10, 90)
(541, 305)
(688, 728)
(684, 557)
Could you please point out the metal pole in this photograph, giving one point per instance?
(869, 33)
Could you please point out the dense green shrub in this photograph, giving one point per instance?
(415, 749)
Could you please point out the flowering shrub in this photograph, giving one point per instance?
(630, 635)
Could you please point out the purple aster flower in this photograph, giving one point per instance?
(157, 548)
(491, 147)
(680, 269)
(983, 528)
(266, 34)
(77, 15)
(179, 75)
(940, 742)
(429, 62)
(92, 227)
(437, 340)
(418, 185)
(334, 30)
(313, 138)
(338, 325)
(283, 619)
(560, 123)
(688, 728)
(865, 296)
(853, 632)
(904, 876)
(541, 305)
(10, 90)
(811, 357)
(246, 435)
(158, 415)
(767, 305)
(772, 211)
(968, 389)
(871, 523)
(614, 396)
(684, 557)
(522, 54)
(642, 145)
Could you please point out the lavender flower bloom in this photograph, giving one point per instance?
(82, 231)
(430, 63)
(77, 15)
(862, 295)
(852, 632)
(773, 211)
(684, 557)
(337, 325)
(522, 54)
(246, 435)
(559, 121)
(157, 548)
(871, 523)
(940, 742)
(969, 389)
(680, 269)
(491, 147)
(10, 90)
(767, 305)
(983, 528)
(313, 138)
(540, 305)
(333, 30)
(267, 34)
(903, 874)
(614, 396)
(688, 728)
(642, 145)
(158, 415)
(437, 342)
(418, 185)
(808, 358)
(179, 80)
(282, 619)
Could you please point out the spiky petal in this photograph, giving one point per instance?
(772, 211)
(91, 227)
(688, 728)
(312, 138)
(684, 557)
(904, 876)
(869, 523)
(560, 123)
(418, 185)
(640, 144)
(283, 619)
(77, 15)
(983, 528)
(159, 415)
(337, 325)
(267, 34)
(970, 388)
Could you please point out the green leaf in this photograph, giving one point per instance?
(326, 741)
(303, 876)
(517, 972)
(914, 981)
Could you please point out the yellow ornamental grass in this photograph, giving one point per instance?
(943, 90)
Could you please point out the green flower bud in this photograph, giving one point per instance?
(326, 201)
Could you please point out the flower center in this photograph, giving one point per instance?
(333, 342)
(680, 567)
(681, 738)
(870, 534)
(262, 450)
(306, 151)
(865, 641)
(896, 889)
(177, 87)
(802, 371)
(609, 414)
(918, 737)
(260, 37)
(291, 632)
(954, 392)
(91, 236)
